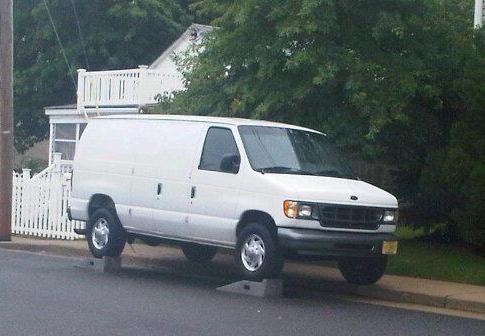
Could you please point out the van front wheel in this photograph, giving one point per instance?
(105, 235)
(257, 253)
(363, 271)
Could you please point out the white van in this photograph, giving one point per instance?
(266, 190)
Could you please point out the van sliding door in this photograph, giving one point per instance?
(171, 189)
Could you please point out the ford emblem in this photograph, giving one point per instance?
(354, 198)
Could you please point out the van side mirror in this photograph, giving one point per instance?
(230, 163)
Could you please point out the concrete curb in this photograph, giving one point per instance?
(462, 303)
(67, 251)
(375, 292)
(400, 296)
(471, 301)
(449, 302)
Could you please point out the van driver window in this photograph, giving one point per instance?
(219, 143)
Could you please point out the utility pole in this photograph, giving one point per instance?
(6, 117)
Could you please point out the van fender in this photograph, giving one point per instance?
(97, 201)
(256, 216)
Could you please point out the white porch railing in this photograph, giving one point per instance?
(39, 203)
(124, 87)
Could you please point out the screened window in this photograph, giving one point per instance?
(67, 149)
(65, 138)
(66, 131)
(219, 143)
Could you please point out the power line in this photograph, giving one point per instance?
(60, 44)
(83, 45)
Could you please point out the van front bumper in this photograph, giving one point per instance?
(331, 243)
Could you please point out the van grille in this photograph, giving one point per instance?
(350, 217)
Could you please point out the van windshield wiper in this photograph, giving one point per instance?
(283, 170)
(335, 173)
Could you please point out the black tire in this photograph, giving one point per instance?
(363, 271)
(116, 237)
(199, 253)
(272, 262)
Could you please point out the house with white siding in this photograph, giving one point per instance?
(126, 91)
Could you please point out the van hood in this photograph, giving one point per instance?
(334, 190)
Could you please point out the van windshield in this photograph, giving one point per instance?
(290, 151)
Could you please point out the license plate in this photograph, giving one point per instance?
(389, 247)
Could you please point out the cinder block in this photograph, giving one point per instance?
(106, 265)
(111, 264)
(266, 288)
(91, 264)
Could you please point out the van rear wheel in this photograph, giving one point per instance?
(257, 253)
(105, 235)
(199, 253)
(363, 271)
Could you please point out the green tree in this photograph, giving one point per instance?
(116, 33)
(394, 80)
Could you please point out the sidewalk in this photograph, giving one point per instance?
(309, 276)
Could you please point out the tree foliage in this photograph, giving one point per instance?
(400, 81)
(116, 33)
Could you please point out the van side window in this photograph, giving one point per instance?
(219, 143)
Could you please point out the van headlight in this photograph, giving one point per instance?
(390, 216)
(300, 210)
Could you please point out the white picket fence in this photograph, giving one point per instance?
(39, 203)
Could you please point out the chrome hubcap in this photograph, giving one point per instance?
(100, 234)
(253, 252)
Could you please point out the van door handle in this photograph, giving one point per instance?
(159, 189)
(192, 192)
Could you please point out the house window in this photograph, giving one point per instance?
(65, 139)
(66, 148)
(66, 131)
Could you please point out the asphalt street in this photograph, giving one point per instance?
(46, 295)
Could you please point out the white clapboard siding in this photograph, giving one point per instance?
(39, 203)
